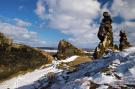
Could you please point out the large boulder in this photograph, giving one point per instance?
(17, 57)
(105, 36)
(123, 41)
(66, 49)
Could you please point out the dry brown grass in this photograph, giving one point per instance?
(79, 60)
(71, 66)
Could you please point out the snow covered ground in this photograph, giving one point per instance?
(31, 77)
(27, 79)
(115, 70)
(51, 51)
(72, 58)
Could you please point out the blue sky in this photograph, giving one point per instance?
(24, 10)
(45, 22)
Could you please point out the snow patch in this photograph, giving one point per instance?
(101, 78)
(50, 51)
(72, 58)
(27, 79)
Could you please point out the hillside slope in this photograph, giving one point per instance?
(15, 58)
(113, 71)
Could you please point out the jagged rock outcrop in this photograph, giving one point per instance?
(5, 43)
(5, 40)
(123, 41)
(105, 36)
(66, 49)
(17, 57)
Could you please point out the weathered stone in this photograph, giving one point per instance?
(66, 49)
(5, 40)
(105, 36)
(123, 41)
(18, 57)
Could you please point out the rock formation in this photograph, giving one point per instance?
(17, 57)
(66, 49)
(105, 36)
(123, 41)
(5, 40)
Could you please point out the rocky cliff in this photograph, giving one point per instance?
(16, 57)
(66, 49)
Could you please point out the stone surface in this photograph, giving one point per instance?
(105, 36)
(66, 49)
(123, 41)
(18, 57)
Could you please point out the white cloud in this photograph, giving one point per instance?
(126, 10)
(126, 26)
(41, 10)
(129, 27)
(72, 17)
(123, 8)
(22, 23)
(21, 34)
(75, 18)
